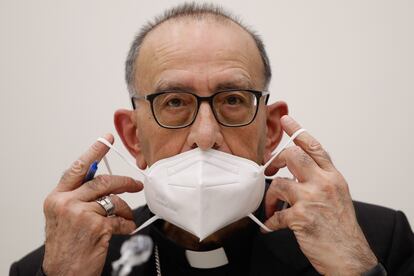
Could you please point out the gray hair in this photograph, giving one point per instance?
(195, 11)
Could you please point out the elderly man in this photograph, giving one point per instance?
(197, 79)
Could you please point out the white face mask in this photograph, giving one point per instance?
(204, 191)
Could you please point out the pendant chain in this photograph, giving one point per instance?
(157, 261)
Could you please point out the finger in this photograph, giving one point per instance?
(121, 208)
(309, 144)
(299, 163)
(103, 185)
(281, 189)
(73, 177)
(279, 220)
(121, 226)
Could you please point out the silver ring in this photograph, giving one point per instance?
(106, 203)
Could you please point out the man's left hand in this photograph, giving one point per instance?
(322, 214)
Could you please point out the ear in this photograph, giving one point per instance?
(126, 126)
(274, 128)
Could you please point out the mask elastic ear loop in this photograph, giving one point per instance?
(145, 224)
(258, 222)
(108, 168)
(106, 143)
(277, 152)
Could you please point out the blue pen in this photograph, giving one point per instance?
(91, 172)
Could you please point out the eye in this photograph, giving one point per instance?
(233, 100)
(175, 102)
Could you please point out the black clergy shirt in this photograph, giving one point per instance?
(252, 253)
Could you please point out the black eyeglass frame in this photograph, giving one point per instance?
(150, 97)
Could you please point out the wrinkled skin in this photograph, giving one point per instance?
(322, 215)
(77, 229)
(204, 56)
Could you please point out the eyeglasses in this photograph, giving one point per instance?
(231, 108)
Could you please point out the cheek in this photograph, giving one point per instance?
(146, 129)
(246, 142)
(157, 142)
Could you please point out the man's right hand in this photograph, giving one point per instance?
(77, 228)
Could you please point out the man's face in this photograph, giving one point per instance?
(200, 56)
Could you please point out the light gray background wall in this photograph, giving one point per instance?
(344, 67)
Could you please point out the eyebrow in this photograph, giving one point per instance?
(241, 83)
(174, 86)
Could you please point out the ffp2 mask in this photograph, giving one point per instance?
(204, 191)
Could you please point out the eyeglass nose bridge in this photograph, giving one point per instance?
(200, 100)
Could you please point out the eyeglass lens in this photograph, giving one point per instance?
(231, 108)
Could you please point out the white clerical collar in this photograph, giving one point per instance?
(207, 259)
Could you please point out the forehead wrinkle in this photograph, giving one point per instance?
(173, 52)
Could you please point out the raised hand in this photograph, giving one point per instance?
(78, 229)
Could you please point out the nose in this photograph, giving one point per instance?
(205, 131)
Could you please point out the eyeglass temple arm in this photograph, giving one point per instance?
(136, 98)
(266, 94)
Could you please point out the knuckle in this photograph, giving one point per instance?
(125, 181)
(81, 214)
(314, 146)
(300, 212)
(117, 202)
(61, 209)
(122, 206)
(49, 203)
(77, 167)
(299, 154)
(80, 219)
(98, 225)
(104, 242)
(333, 184)
(327, 188)
(101, 183)
(274, 221)
(117, 224)
(122, 223)
(95, 147)
(56, 204)
(64, 208)
(304, 221)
